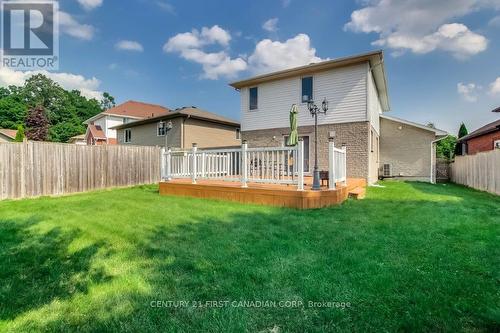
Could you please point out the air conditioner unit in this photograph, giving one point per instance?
(387, 170)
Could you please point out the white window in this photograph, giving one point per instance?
(496, 144)
(253, 98)
(307, 89)
(161, 128)
(128, 135)
(238, 134)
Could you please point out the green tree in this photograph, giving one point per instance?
(37, 124)
(462, 131)
(107, 101)
(65, 110)
(12, 108)
(446, 148)
(20, 134)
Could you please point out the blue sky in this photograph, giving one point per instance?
(441, 57)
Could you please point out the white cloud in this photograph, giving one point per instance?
(215, 64)
(271, 25)
(422, 26)
(274, 55)
(88, 87)
(468, 91)
(90, 4)
(455, 38)
(495, 87)
(72, 27)
(495, 22)
(169, 8)
(129, 45)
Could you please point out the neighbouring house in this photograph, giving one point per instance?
(99, 128)
(408, 149)
(7, 135)
(78, 140)
(356, 89)
(189, 125)
(483, 139)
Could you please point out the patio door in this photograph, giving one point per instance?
(306, 150)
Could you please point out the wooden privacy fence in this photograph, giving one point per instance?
(480, 171)
(38, 168)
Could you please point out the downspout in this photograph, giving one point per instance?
(433, 157)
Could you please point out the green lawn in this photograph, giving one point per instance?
(410, 257)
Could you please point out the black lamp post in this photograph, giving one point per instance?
(314, 110)
(168, 126)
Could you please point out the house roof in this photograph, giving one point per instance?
(186, 112)
(77, 137)
(488, 128)
(96, 132)
(8, 132)
(438, 132)
(376, 60)
(133, 109)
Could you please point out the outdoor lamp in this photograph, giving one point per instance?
(314, 110)
(324, 105)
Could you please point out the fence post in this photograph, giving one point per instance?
(344, 164)
(162, 164)
(168, 163)
(300, 165)
(244, 171)
(193, 175)
(331, 164)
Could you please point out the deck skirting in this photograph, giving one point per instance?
(273, 195)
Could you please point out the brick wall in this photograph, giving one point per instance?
(482, 143)
(354, 135)
(407, 149)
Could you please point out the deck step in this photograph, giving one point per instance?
(357, 193)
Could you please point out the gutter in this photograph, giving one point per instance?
(433, 157)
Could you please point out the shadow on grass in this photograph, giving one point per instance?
(407, 264)
(36, 269)
(402, 266)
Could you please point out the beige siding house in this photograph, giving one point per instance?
(189, 125)
(356, 89)
(407, 149)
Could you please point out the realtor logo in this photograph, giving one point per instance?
(30, 38)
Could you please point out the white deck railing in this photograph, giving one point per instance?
(337, 165)
(272, 165)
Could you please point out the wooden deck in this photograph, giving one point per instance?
(264, 194)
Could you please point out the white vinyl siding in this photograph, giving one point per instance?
(374, 108)
(111, 122)
(344, 88)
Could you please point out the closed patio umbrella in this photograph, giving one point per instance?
(293, 139)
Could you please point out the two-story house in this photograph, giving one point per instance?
(356, 89)
(99, 128)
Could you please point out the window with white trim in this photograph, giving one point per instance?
(128, 135)
(307, 89)
(253, 98)
(496, 144)
(161, 128)
(238, 134)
